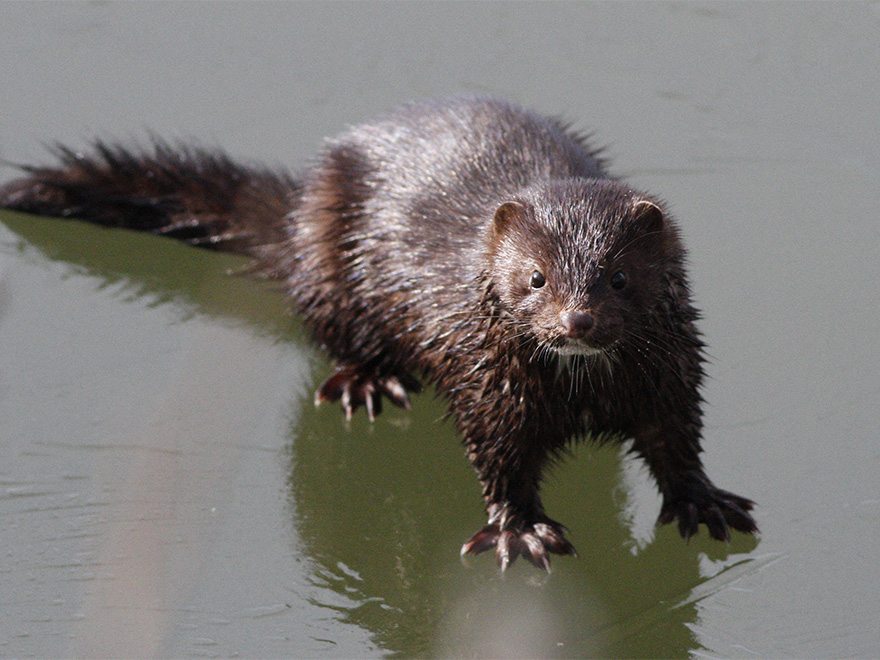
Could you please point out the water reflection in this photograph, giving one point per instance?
(380, 511)
(384, 508)
(139, 264)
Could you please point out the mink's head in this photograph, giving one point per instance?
(580, 264)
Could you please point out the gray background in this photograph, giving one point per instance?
(166, 487)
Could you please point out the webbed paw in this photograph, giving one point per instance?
(534, 539)
(355, 388)
(718, 509)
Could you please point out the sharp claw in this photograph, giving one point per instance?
(718, 509)
(355, 388)
(395, 391)
(534, 550)
(667, 515)
(483, 540)
(534, 541)
(409, 383)
(688, 521)
(735, 508)
(717, 525)
(506, 550)
(333, 388)
(352, 399)
(553, 540)
(373, 402)
(740, 520)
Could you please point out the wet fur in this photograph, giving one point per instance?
(408, 247)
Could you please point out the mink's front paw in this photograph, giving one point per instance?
(719, 509)
(356, 389)
(533, 537)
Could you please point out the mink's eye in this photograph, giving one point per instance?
(537, 280)
(618, 280)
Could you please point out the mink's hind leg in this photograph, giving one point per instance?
(356, 387)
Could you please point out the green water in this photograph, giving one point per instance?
(167, 488)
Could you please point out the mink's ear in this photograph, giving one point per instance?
(506, 216)
(648, 215)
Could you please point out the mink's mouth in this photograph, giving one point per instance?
(567, 346)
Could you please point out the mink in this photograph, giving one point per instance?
(470, 244)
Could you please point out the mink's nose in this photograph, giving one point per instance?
(576, 324)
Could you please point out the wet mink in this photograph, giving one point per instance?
(470, 243)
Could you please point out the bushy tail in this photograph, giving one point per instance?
(191, 194)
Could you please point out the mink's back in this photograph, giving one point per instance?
(444, 166)
(415, 191)
(391, 227)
